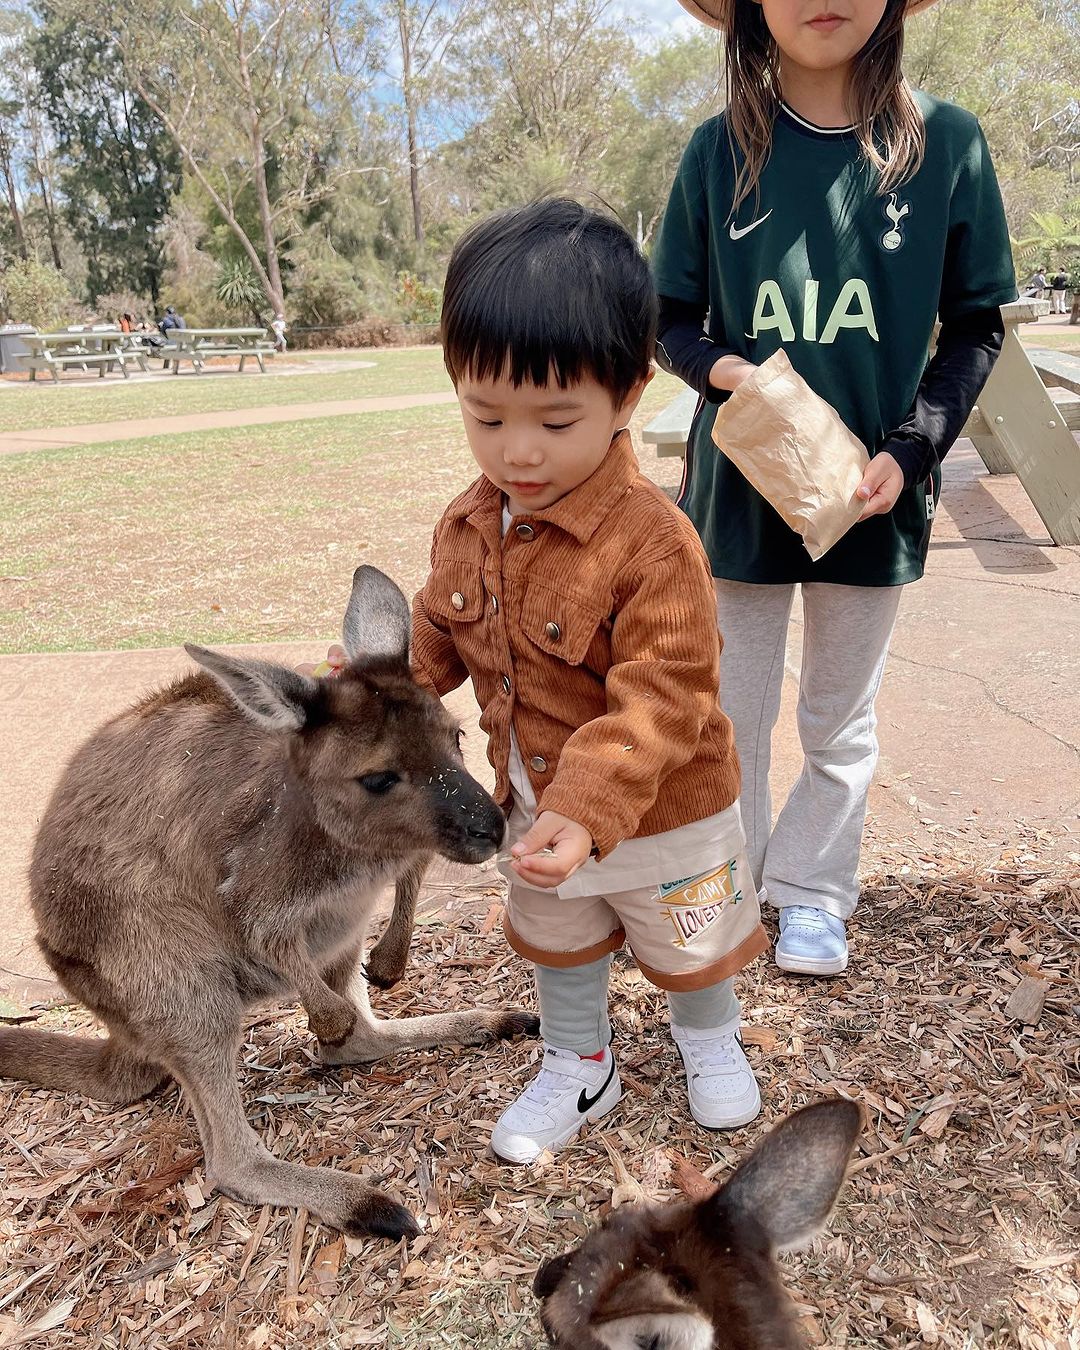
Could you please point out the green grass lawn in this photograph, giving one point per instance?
(247, 534)
(25, 407)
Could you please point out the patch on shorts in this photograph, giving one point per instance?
(694, 904)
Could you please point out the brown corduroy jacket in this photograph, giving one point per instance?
(592, 628)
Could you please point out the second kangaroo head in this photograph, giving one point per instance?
(376, 756)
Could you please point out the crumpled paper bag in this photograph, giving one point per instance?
(795, 449)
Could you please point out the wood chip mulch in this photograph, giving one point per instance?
(957, 1027)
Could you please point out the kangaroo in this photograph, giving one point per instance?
(702, 1276)
(223, 843)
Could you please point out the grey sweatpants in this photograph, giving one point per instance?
(811, 855)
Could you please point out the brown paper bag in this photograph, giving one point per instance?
(794, 448)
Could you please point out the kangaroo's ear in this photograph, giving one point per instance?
(378, 620)
(790, 1182)
(274, 697)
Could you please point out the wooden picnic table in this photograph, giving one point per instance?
(1019, 425)
(198, 345)
(102, 347)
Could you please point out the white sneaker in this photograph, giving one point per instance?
(720, 1083)
(812, 942)
(567, 1092)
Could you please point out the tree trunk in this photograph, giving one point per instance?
(414, 178)
(272, 285)
(47, 202)
(409, 93)
(13, 201)
(227, 215)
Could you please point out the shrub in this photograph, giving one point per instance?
(420, 303)
(38, 295)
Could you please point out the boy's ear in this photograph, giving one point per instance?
(633, 398)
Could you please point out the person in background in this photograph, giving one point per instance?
(171, 320)
(278, 328)
(1058, 283)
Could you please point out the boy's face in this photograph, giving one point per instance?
(536, 443)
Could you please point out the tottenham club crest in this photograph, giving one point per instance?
(893, 239)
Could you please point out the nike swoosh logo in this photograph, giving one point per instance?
(736, 233)
(585, 1102)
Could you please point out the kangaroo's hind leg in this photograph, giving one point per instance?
(203, 1058)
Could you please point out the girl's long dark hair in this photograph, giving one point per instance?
(886, 117)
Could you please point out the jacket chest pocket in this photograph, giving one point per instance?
(564, 628)
(455, 593)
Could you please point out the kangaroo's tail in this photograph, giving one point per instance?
(99, 1068)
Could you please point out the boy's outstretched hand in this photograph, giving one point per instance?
(882, 483)
(569, 843)
(336, 657)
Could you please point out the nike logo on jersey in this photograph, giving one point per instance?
(585, 1102)
(735, 233)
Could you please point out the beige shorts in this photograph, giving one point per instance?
(686, 934)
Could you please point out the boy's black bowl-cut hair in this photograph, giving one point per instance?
(552, 288)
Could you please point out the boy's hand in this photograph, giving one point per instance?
(882, 483)
(569, 843)
(336, 657)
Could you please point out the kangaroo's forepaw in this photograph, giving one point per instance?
(333, 1025)
(381, 974)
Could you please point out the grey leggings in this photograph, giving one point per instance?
(574, 1006)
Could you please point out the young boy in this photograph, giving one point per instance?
(579, 602)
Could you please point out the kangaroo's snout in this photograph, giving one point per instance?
(470, 827)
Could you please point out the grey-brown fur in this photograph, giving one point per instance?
(223, 843)
(702, 1276)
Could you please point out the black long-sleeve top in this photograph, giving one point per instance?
(966, 351)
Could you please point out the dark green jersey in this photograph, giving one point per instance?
(849, 283)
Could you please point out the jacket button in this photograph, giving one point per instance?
(553, 631)
(538, 764)
(525, 531)
(506, 684)
(495, 604)
(457, 600)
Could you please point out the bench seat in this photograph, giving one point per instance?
(1057, 368)
(54, 362)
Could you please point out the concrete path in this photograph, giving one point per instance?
(979, 713)
(97, 433)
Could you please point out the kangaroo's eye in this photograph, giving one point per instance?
(379, 783)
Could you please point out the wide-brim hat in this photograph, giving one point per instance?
(708, 11)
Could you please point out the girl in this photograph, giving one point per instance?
(832, 211)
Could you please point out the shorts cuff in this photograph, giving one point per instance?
(562, 960)
(684, 983)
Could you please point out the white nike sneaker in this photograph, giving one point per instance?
(720, 1083)
(567, 1092)
(812, 942)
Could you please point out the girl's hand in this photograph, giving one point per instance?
(882, 483)
(568, 843)
(336, 657)
(728, 372)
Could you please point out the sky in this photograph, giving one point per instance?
(659, 15)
